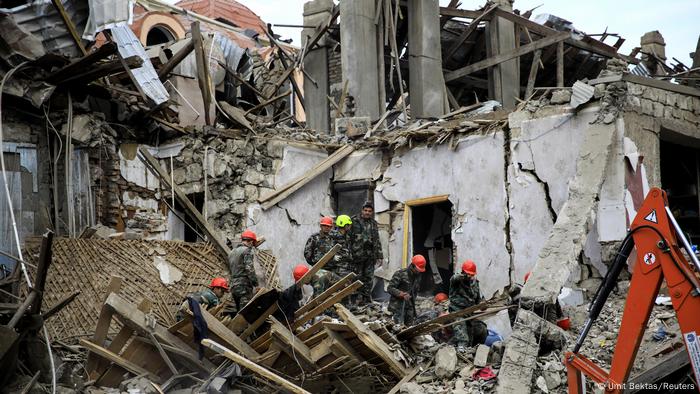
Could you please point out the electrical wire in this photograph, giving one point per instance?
(14, 222)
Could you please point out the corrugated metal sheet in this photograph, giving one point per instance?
(106, 14)
(641, 70)
(581, 93)
(146, 76)
(41, 19)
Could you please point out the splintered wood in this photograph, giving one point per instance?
(86, 265)
(268, 263)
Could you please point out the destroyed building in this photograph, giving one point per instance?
(147, 137)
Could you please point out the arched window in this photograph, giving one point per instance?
(159, 34)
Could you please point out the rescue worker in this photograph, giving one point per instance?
(464, 292)
(207, 298)
(241, 262)
(403, 289)
(289, 299)
(320, 243)
(342, 263)
(366, 249)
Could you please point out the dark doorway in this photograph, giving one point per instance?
(159, 35)
(350, 196)
(680, 178)
(197, 200)
(431, 237)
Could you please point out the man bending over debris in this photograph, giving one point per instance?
(208, 298)
(320, 243)
(290, 298)
(403, 288)
(241, 263)
(464, 292)
(366, 248)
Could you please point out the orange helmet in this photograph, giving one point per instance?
(440, 297)
(247, 234)
(327, 221)
(468, 267)
(527, 276)
(299, 271)
(219, 282)
(419, 261)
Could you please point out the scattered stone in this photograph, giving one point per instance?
(411, 388)
(560, 96)
(570, 297)
(552, 378)
(482, 356)
(542, 384)
(446, 362)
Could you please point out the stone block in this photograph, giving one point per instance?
(446, 362)
(481, 358)
(253, 177)
(561, 96)
(647, 107)
(671, 99)
(352, 126)
(658, 109)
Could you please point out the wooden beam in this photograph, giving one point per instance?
(296, 184)
(313, 329)
(41, 271)
(293, 346)
(533, 73)
(217, 328)
(136, 319)
(503, 57)
(560, 64)
(337, 297)
(102, 327)
(114, 358)
(341, 347)
(319, 264)
(101, 70)
(203, 77)
(122, 338)
(405, 379)
(661, 369)
(75, 67)
(178, 57)
(372, 341)
(323, 296)
(421, 328)
(258, 322)
(268, 102)
(322, 30)
(253, 367)
(190, 209)
(57, 307)
(665, 85)
(457, 13)
(466, 33)
(283, 60)
(69, 25)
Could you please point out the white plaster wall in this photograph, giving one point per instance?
(284, 237)
(359, 165)
(473, 176)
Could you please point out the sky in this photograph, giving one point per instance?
(677, 20)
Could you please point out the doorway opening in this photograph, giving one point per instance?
(680, 178)
(431, 237)
(190, 235)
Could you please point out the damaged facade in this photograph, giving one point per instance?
(495, 135)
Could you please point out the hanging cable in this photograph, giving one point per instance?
(14, 222)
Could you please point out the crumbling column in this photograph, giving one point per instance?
(504, 78)
(316, 13)
(358, 37)
(653, 48)
(426, 81)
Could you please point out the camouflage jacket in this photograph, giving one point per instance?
(323, 280)
(464, 292)
(206, 297)
(317, 246)
(242, 266)
(403, 280)
(365, 239)
(343, 261)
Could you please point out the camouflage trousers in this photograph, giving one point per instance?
(469, 333)
(366, 275)
(403, 312)
(241, 296)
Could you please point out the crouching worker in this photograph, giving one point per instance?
(403, 288)
(207, 298)
(464, 293)
(290, 299)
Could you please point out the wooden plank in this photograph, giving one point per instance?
(321, 350)
(337, 297)
(57, 307)
(533, 74)
(134, 318)
(217, 328)
(405, 379)
(203, 77)
(293, 346)
(457, 13)
(660, 370)
(560, 64)
(467, 32)
(102, 327)
(319, 264)
(421, 328)
(253, 367)
(41, 271)
(190, 209)
(298, 183)
(69, 25)
(341, 347)
(79, 65)
(268, 102)
(503, 57)
(372, 341)
(321, 297)
(313, 329)
(114, 358)
(178, 57)
(282, 57)
(258, 322)
(655, 83)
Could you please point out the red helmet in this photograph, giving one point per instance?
(327, 221)
(249, 235)
(527, 276)
(219, 282)
(299, 271)
(440, 297)
(468, 267)
(419, 261)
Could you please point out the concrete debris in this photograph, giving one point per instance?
(560, 96)
(445, 362)
(481, 358)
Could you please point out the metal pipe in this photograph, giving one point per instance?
(684, 241)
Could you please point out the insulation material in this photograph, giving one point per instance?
(107, 14)
(88, 264)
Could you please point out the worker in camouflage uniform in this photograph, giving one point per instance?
(323, 280)
(207, 298)
(342, 263)
(241, 262)
(320, 243)
(464, 293)
(403, 289)
(290, 298)
(366, 249)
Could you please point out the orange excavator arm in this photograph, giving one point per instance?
(658, 240)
